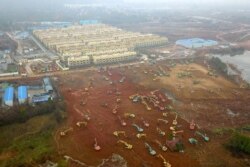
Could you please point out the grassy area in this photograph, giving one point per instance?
(239, 143)
(29, 143)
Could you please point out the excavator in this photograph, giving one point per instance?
(165, 163)
(162, 120)
(163, 148)
(139, 129)
(146, 104)
(176, 132)
(79, 124)
(175, 120)
(150, 149)
(64, 133)
(140, 135)
(165, 114)
(204, 136)
(96, 146)
(123, 123)
(145, 123)
(162, 133)
(129, 115)
(117, 133)
(192, 125)
(127, 145)
(114, 111)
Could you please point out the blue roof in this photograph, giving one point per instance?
(196, 42)
(9, 94)
(22, 92)
(86, 22)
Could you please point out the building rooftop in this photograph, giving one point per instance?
(9, 94)
(22, 92)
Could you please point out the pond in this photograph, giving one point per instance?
(242, 62)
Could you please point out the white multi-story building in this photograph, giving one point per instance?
(98, 44)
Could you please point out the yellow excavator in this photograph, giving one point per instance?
(165, 163)
(65, 132)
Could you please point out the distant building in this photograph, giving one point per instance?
(86, 22)
(195, 43)
(22, 35)
(9, 96)
(47, 85)
(41, 98)
(22, 94)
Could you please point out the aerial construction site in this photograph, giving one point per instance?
(137, 86)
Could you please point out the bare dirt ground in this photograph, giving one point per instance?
(213, 102)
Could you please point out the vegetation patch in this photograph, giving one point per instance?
(239, 143)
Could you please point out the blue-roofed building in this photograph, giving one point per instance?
(22, 94)
(87, 22)
(47, 85)
(196, 43)
(9, 96)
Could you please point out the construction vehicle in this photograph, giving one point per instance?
(135, 98)
(163, 148)
(96, 146)
(130, 115)
(145, 123)
(162, 99)
(172, 128)
(140, 135)
(204, 136)
(176, 132)
(192, 141)
(127, 145)
(79, 124)
(105, 105)
(165, 163)
(162, 133)
(106, 78)
(192, 125)
(175, 120)
(150, 149)
(117, 133)
(87, 117)
(109, 73)
(162, 120)
(123, 123)
(146, 105)
(139, 129)
(118, 100)
(64, 133)
(165, 114)
(122, 79)
(114, 111)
